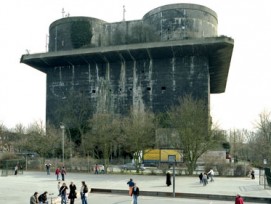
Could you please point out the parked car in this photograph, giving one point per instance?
(131, 166)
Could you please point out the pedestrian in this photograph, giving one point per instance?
(96, 169)
(34, 198)
(200, 177)
(102, 169)
(43, 198)
(239, 199)
(57, 172)
(72, 194)
(63, 173)
(47, 166)
(84, 193)
(211, 174)
(204, 179)
(135, 194)
(168, 179)
(63, 193)
(16, 169)
(252, 174)
(131, 184)
(58, 187)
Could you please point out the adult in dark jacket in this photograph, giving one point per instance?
(168, 179)
(72, 194)
(135, 194)
(43, 198)
(63, 173)
(63, 193)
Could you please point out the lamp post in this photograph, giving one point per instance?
(63, 134)
(172, 160)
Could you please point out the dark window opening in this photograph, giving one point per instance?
(93, 91)
(163, 88)
(148, 88)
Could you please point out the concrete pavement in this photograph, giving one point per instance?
(18, 189)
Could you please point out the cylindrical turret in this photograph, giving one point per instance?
(182, 21)
(75, 32)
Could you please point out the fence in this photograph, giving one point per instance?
(8, 167)
(264, 176)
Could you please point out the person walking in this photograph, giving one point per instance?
(84, 193)
(211, 174)
(57, 172)
(252, 174)
(72, 194)
(200, 177)
(204, 179)
(16, 170)
(239, 199)
(131, 184)
(135, 194)
(47, 166)
(96, 169)
(63, 173)
(168, 179)
(34, 198)
(63, 193)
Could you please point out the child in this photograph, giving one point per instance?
(58, 187)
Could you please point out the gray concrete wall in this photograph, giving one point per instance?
(154, 84)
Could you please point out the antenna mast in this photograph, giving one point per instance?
(123, 13)
(63, 12)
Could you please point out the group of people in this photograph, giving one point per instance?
(73, 193)
(203, 177)
(39, 199)
(64, 194)
(61, 172)
(133, 190)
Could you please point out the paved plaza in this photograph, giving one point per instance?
(18, 189)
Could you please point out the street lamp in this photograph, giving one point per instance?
(63, 134)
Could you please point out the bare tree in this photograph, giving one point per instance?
(191, 120)
(103, 136)
(139, 130)
(74, 112)
(260, 143)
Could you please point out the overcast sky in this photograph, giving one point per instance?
(24, 26)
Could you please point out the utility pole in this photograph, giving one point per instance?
(63, 135)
